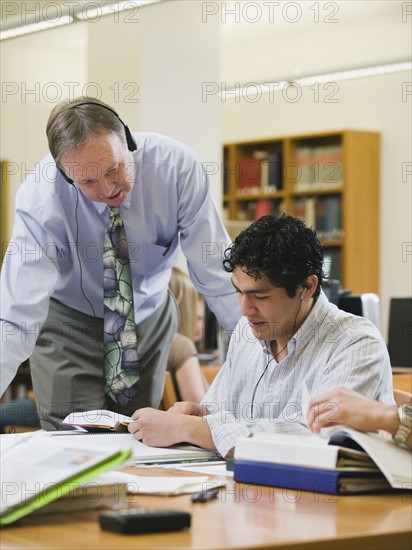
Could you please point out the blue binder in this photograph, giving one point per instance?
(309, 479)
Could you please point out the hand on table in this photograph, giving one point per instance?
(156, 428)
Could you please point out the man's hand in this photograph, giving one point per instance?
(187, 407)
(344, 406)
(163, 429)
(155, 428)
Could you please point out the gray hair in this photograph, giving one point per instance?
(70, 124)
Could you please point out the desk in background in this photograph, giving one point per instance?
(402, 379)
(243, 517)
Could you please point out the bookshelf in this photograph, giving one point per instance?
(330, 179)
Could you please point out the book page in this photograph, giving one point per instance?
(98, 418)
(141, 452)
(159, 485)
(394, 462)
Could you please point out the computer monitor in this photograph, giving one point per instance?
(364, 305)
(331, 288)
(400, 332)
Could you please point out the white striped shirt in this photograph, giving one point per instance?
(253, 392)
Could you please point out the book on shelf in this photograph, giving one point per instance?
(263, 208)
(250, 175)
(38, 470)
(323, 214)
(320, 167)
(260, 173)
(342, 461)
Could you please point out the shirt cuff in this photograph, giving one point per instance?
(225, 431)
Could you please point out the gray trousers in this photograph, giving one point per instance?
(67, 362)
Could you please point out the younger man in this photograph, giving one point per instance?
(289, 337)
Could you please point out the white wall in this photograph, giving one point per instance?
(37, 71)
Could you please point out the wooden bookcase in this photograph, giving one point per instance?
(330, 179)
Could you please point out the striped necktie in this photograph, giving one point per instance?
(121, 366)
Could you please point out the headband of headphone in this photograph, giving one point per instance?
(131, 144)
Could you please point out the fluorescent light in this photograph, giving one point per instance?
(356, 73)
(114, 7)
(83, 14)
(249, 89)
(34, 27)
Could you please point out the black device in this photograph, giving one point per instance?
(206, 495)
(400, 332)
(131, 144)
(144, 520)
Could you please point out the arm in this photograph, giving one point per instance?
(344, 406)
(28, 277)
(190, 380)
(203, 241)
(161, 429)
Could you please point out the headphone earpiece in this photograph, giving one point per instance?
(131, 144)
(303, 293)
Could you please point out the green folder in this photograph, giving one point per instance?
(59, 489)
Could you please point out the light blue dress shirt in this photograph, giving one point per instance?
(57, 244)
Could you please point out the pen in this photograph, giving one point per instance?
(205, 495)
(167, 248)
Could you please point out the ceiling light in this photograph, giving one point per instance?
(252, 89)
(115, 7)
(88, 12)
(35, 27)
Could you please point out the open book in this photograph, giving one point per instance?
(37, 470)
(340, 449)
(97, 420)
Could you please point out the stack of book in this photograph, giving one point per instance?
(345, 462)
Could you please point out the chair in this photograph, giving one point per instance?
(400, 332)
(169, 393)
(209, 372)
(19, 415)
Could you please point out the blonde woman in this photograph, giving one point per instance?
(183, 362)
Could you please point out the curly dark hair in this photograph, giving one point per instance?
(279, 248)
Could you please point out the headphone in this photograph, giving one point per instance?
(131, 144)
(303, 293)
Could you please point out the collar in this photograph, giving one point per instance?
(101, 207)
(316, 316)
(305, 331)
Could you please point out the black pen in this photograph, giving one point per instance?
(205, 495)
(167, 248)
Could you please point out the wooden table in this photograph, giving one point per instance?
(242, 517)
